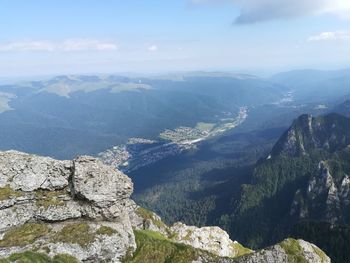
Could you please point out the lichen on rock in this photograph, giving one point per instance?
(78, 207)
(212, 239)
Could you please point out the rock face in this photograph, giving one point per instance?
(211, 239)
(222, 249)
(307, 133)
(39, 189)
(326, 197)
(82, 208)
(290, 250)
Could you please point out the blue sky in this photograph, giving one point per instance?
(48, 37)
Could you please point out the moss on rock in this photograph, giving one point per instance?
(106, 230)
(293, 250)
(148, 215)
(152, 247)
(78, 233)
(64, 258)
(49, 198)
(241, 250)
(7, 193)
(24, 235)
(321, 254)
(35, 257)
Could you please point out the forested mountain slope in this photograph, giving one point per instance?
(304, 178)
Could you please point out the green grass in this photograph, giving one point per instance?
(24, 235)
(79, 233)
(64, 258)
(241, 250)
(148, 215)
(7, 192)
(106, 230)
(321, 254)
(293, 250)
(49, 198)
(152, 247)
(34, 257)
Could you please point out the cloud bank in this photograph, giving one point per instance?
(330, 36)
(68, 45)
(254, 11)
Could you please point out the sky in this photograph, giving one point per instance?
(51, 37)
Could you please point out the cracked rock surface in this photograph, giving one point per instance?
(72, 195)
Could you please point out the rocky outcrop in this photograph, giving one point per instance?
(214, 245)
(143, 219)
(211, 239)
(326, 197)
(66, 197)
(290, 250)
(307, 133)
(82, 209)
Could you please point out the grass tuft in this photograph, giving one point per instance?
(293, 250)
(35, 257)
(7, 193)
(106, 230)
(152, 247)
(148, 215)
(49, 198)
(241, 250)
(79, 233)
(24, 235)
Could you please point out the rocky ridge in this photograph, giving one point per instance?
(307, 133)
(81, 211)
(324, 142)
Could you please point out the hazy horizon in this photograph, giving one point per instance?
(41, 38)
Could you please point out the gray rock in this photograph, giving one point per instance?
(28, 172)
(211, 239)
(288, 251)
(58, 193)
(143, 219)
(98, 183)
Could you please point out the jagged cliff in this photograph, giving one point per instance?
(323, 143)
(303, 180)
(81, 211)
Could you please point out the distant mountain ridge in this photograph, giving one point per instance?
(343, 108)
(75, 114)
(312, 85)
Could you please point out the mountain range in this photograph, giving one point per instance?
(263, 158)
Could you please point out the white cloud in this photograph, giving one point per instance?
(332, 35)
(27, 46)
(341, 8)
(253, 11)
(153, 48)
(87, 44)
(68, 45)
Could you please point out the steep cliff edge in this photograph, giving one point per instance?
(81, 211)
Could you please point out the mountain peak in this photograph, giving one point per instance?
(307, 133)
